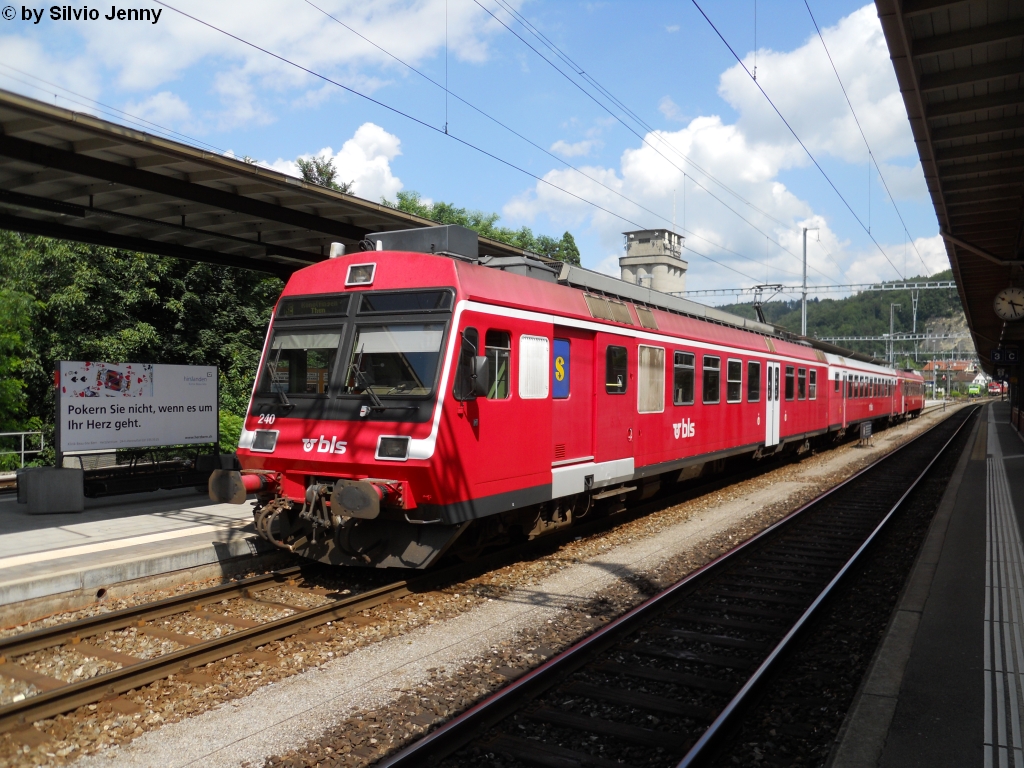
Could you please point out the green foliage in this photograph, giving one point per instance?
(15, 326)
(321, 171)
(864, 314)
(486, 225)
(90, 303)
(230, 431)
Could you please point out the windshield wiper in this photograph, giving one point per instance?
(286, 405)
(361, 382)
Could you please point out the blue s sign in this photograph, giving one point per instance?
(560, 369)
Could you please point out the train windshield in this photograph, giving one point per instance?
(394, 359)
(300, 362)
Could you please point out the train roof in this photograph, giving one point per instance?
(500, 279)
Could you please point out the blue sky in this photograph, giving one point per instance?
(661, 60)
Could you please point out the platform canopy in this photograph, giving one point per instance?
(960, 67)
(70, 175)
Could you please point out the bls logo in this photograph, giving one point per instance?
(684, 428)
(323, 445)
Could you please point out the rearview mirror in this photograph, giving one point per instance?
(481, 377)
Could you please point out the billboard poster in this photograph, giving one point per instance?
(104, 406)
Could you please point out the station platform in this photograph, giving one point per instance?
(50, 563)
(946, 686)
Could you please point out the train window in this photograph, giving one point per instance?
(534, 360)
(790, 377)
(812, 384)
(406, 301)
(498, 348)
(801, 384)
(398, 359)
(712, 390)
(682, 379)
(651, 380)
(734, 381)
(837, 382)
(753, 382)
(300, 362)
(462, 389)
(616, 368)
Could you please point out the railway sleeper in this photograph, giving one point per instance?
(539, 753)
(745, 610)
(721, 621)
(701, 637)
(774, 587)
(729, 662)
(761, 598)
(657, 674)
(637, 699)
(598, 725)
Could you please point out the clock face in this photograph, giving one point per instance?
(1009, 303)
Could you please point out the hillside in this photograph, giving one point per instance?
(867, 314)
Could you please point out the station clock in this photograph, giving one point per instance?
(1009, 303)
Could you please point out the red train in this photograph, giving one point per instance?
(410, 400)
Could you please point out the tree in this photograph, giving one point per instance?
(486, 225)
(567, 250)
(321, 171)
(85, 302)
(15, 326)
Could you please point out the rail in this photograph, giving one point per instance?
(739, 606)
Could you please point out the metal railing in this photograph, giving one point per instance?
(23, 450)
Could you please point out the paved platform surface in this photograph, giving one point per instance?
(117, 539)
(946, 687)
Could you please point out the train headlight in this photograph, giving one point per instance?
(391, 448)
(265, 440)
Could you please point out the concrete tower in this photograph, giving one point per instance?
(653, 260)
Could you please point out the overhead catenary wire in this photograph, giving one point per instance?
(860, 128)
(797, 137)
(642, 138)
(529, 141)
(511, 10)
(106, 108)
(422, 123)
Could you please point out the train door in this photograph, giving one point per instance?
(615, 401)
(845, 391)
(572, 396)
(771, 400)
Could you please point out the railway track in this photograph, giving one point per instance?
(662, 684)
(241, 635)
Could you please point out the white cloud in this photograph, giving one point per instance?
(928, 257)
(905, 182)
(27, 63)
(364, 160)
(672, 28)
(803, 87)
(748, 157)
(579, 149)
(246, 80)
(165, 108)
(670, 110)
